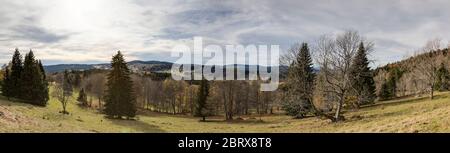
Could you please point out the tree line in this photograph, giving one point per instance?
(420, 74)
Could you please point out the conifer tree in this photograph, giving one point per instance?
(120, 100)
(385, 91)
(300, 84)
(443, 78)
(362, 78)
(16, 74)
(33, 87)
(43, 93)
(41, 68)
(202, 96)
(7, 84)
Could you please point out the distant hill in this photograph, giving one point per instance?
(139, 66)
(136, 66)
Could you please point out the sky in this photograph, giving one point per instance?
(91, 31)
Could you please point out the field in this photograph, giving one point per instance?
(410, 114)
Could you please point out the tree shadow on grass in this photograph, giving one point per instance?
(137, 125)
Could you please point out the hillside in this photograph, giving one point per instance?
(408, 114)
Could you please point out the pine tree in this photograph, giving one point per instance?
(443, 78)
(43, 93)
(300, 82)
(119, 99)
(16, 74)
(7, 84)
(362, 78)
(384, 92)
(41, 68)
(202, 96)
(33, 87)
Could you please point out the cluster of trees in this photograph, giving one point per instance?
(163, 94)
(423, 73)
(344, 79)
(113, 89)
(25, 80)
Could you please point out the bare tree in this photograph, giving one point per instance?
(63, 90)
(426, 65)
(335, 55)
(98, 87)
(173, 91)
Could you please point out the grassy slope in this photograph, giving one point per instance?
(403, 115)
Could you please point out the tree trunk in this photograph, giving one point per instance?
(174, 106)
(337, 116)
(99, 103)
(431, 93)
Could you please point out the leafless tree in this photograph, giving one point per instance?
(62, 90)
(98, 81)
(335, 55)
(426, 66)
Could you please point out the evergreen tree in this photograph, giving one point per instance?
(384, 92)
(362, 78)
(33, 87)
(41, 68)
(43, 93)
(119, 99)
(443, 78)
(298, 101)
(16, 74)
(82, 98)
(202, 96)
(7, 84)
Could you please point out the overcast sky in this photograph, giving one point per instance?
(91, 31)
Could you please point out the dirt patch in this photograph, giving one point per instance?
(13, 119)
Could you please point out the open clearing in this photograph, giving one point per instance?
(409, 114)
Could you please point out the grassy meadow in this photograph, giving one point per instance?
(410, 115)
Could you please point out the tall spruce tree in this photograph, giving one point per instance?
(32, 84)
(119, 99)
(362, 78)
(202, 96)
(41, 68)
(7, 84)
(16, 74)
(300, 82)
(43, 93)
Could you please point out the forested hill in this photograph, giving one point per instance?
(417, 75)
(138, 66)
(152, 66)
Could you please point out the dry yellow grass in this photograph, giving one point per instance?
(402, 115)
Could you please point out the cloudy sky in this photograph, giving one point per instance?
(90, 31)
